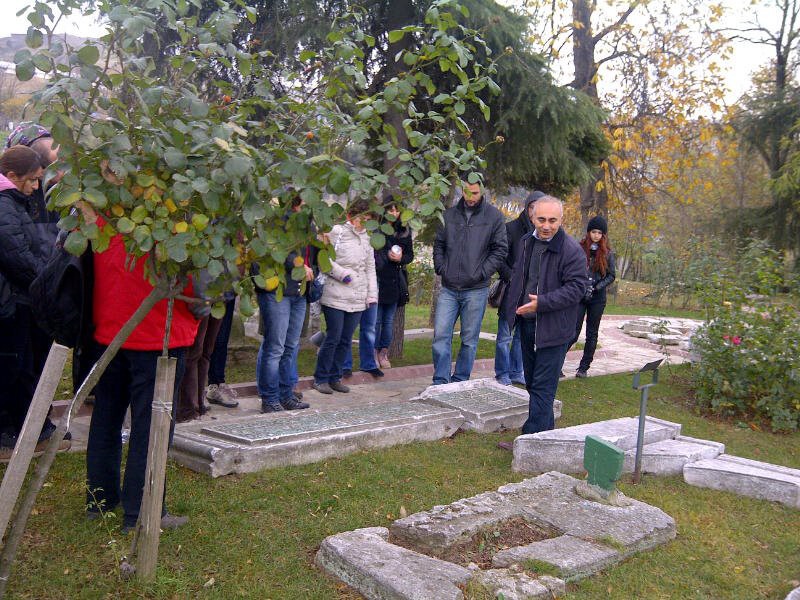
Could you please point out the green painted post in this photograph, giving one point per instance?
(603, 461)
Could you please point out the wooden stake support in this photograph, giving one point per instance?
(29, 436)
(145, 538)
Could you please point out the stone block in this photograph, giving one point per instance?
(745, 477)
(665, 339)
(249, 444)
(515, 585)
(668, 457)
(794, 594)
(365, 561)
(573, 557)
(486, 405)
(562, 449)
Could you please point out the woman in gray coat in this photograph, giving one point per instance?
(350, 287)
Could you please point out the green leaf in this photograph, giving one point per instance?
(175, 158)
(89, 55)
(246, 305)
(25, 70)
(396, 35)
(76, 243)
(237, 166)
(125, 225)
(67, 199)
(95, 197)
(378, 240)
(459, 108)
(218, 310)
(307, 55)
(339, 181)
(200, 185)
(324, 260)
(34, 38)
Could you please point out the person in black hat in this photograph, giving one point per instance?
(600, 262)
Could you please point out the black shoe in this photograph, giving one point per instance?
(376, 372)
(270, 407)
(297, 395)
(347, 373)
(561, 375)
(338, 386)
(293, 404)
(581, 373)
(322, 388)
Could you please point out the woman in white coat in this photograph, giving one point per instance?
(349, 289)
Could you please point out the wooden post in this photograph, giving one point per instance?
(29, 436)
(148, 528)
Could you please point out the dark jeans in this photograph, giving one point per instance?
(384, 324)
(18, 371)
(542, 368)
(219, 358)
(339, 328)
(593, 313)
(129, 380)
(366, 341)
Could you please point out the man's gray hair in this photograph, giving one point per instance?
(550, 200)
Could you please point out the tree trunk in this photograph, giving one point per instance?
(398, 333)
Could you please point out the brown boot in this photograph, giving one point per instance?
(383, 358)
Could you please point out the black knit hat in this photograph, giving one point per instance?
(533, 197)
(597, 222)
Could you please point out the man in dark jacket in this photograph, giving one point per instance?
(508, 351)
(547, 284)
(469, 248)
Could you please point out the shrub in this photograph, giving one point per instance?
(749, 363)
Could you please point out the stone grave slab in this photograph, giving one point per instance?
(668, 457)
(548, 502)
(487, 406)
(584, 537)
(520, 586)
(746, 477)
(368, 563)
(575, 558)
(562, 449)
(794, 594)
(665, 339)
(251, 444)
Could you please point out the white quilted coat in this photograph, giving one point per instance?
(354, 257)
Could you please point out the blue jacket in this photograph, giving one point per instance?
(562, 285)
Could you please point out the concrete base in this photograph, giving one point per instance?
(250, 444)
(747, 478)
(562, 449)
(365, 561)
(487, 405)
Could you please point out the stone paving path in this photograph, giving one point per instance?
(618, 353)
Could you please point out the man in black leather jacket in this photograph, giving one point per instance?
(469, 248)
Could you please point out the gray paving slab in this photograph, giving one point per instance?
(562, 449)
(365, 561)
(746, 477)
(300, 437)
(487, 405)
(573, 557)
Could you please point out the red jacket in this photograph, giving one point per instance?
(118, 292)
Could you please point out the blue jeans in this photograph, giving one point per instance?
(384, 324)
(508, 355)
(219, 358)
(129, 380)
(339, 328)
(469, 305)
(366, 342)
(277, 356)
(542, 369)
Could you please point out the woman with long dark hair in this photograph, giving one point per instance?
(600, 262)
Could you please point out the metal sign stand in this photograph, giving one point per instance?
(651, 366)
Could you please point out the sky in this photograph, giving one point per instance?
(747, 57)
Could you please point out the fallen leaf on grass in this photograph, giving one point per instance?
(209, 583)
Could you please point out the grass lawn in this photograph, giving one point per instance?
(255, 536)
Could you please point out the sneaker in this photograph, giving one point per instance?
(561, 375)
(347, 373)
(376, 372)
(222, 394)
(297, 395)
(294, 404)
(338, 386)
(503, 381)
(170, 521)
(271, 407)
(581, 373)
(322, 388)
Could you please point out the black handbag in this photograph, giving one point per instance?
(402, 287)
(496, 292)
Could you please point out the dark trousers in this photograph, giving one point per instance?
(542, 368)
(18, 370)
(339, 328)
(219, 357)
(129, 380)
(593, 313)
(191, 400)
